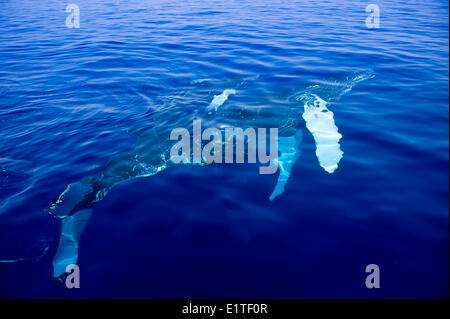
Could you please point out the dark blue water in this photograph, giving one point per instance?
(68, 98)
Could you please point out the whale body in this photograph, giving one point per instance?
(307, 108)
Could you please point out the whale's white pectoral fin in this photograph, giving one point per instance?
(220, 99)
(67, 253)
(320, 122)
(289, 153)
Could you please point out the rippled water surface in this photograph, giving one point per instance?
(72, 98)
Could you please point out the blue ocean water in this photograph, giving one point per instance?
(70, 96)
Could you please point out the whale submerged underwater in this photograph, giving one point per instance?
(151, 152)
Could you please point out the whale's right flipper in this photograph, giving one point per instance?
(320, 122)
(290, 152)
(319, 119)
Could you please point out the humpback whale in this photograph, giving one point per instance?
(307, 108)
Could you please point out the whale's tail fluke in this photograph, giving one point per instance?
(76, 196)
(72, 206)
(67, 253)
